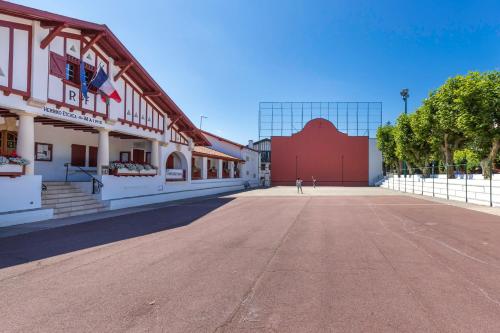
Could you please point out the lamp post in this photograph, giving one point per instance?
(405, 93)
(201, 119)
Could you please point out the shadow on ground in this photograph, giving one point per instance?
(43, 244)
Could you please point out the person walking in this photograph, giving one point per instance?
(299, 185)
(314, 181)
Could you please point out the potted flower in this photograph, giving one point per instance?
(12, 165)
(148, 170)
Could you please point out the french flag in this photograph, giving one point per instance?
(103, 83)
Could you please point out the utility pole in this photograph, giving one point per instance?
(201, 120)
(405, 94)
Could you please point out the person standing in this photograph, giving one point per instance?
(314, 181)
(299, 185)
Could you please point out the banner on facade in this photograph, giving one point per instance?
(174, 174)
(72, 116)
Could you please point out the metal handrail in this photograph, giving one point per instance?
(96, 183)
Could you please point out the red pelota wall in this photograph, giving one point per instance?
(320, 150)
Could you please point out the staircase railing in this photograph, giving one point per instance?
(96, 183)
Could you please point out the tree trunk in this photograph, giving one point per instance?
(409, 168)
(448, 158)
(486, 163)
(426, 171)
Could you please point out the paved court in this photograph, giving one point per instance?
(249, 262)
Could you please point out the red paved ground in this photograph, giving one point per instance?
(287, 264)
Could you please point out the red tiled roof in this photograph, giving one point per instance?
(227, 140)
(212, 153)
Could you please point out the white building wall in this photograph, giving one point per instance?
(250, 169)
(375, 170)
(45, 86)
(62, 139)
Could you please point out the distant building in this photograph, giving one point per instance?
(264, 148)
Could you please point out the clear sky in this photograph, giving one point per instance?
(221, 58)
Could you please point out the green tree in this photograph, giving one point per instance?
(403, 135)
(387, 145)
(445, 112)
(478, 102)
(468, 157)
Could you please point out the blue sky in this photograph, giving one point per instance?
(221, 58)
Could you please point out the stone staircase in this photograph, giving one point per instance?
(68, 200)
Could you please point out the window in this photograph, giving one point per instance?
(70, 72)
(124, 156)
(8, 142)
(78, 155)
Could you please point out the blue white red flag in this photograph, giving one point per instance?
(103, 83)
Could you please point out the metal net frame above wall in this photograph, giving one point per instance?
(351, 118)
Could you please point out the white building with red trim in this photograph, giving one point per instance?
(84, 148)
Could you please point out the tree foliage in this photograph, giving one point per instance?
(387, 145)
(462, 115)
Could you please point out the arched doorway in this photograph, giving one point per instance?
(176, 167)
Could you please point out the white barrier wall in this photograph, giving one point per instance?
(20, 193)
(136, 191)
(474, 189)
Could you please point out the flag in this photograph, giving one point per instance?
(103, 83)
(83, 80)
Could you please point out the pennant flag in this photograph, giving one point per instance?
(103, 83)
(83, 81)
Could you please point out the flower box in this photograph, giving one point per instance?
(126, 172)
(11, 170)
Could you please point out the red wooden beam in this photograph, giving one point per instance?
(123, 70)
(122, 62)
(151, 93)
(50, 37)
(173, 123)
(91, 42)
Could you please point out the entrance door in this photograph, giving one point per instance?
(92, 156)
(138, 155)
(78, 153)
(170, 161)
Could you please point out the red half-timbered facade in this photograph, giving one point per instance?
(128, 151)
(15, 56)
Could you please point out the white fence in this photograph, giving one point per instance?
(473, 188)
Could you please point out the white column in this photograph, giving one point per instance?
(231, 169)
(155, 153)
(103, 150)
(204, 167)
(26, 140)
(219, 168)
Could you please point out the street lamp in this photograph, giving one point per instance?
(201, 119)
(405, 93)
